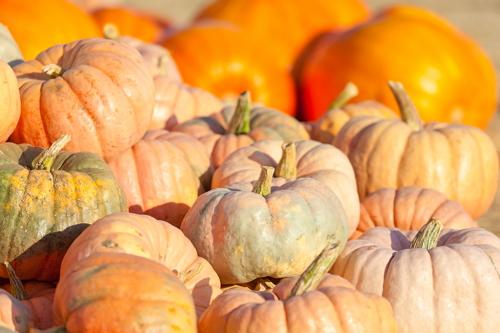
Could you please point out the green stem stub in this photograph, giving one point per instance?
(265, 181)
(287, 166)
(349, 92)
(240, 122)
(312, 276)
(15, 283)
(46, 158)
(408, 110)
(428, 235)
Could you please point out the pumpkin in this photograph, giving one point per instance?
(46, 199)
(117, 292)
(10, 104)
(38, 25)
(235, 127)
(313, 302)
(9, 51)
(447, 74)
(435, 283)
(288, 31)
(146, 237)
(303, 159)
(252, 231)
(231, 63)
(457, 160)
(99, 91)
(132, 22)
(339, 113)
(409, 208)
(159, 176)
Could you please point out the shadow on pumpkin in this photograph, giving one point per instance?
(171, 212)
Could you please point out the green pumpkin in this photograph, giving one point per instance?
(9, 51)
(46, 199)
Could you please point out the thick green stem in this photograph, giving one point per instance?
(110, 31)
(265, 181)
(15, 283)
(312, 276)
(428, 235)
(46, 159)
(349, 92)
(240, 122)
(287, 167)
(52, 70)
(408, 110)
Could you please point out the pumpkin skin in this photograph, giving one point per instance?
(453, 287)
(44, 211)
(10, 103)
(321, 162)
(231, 63)
(158, 176)
(409, 208)
(116, 292)
(443, 61)
(103, 98)
(146, 237)
(61, 23)
(9, 51)
(288, 31)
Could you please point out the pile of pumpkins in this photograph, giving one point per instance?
(149, 191)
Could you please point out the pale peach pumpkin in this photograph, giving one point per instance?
(10, 104)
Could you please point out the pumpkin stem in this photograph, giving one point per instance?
(46, 158)
(287, 167)
(408, 110)
(52, 70)
(16, 284)
(263, 184)
(349, 92)
(428, 235)
(110, 31)
(312, 276)
(240, 122)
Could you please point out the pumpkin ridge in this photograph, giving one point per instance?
(140, 186)
(481, 163)
(14, 219)
(490, 259)
(387, 266)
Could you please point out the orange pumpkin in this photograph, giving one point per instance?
(10, 104)
(38, 25)
(220, 58)
(287, 26)
(446, 73)
(132, 22)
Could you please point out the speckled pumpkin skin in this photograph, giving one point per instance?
(43, 211)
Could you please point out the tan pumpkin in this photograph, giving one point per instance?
(10, 103)
(146, 237)
(457, 160)
(97, 90)
(302, 159)
(435, 283)
(409, 208)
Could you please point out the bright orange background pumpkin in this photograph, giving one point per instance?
(38, 25)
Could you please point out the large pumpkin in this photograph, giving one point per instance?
(97, 90)
(457, 160)
(10, 103)
(287, 26)
(159, 177)
(435, 283)
(447, 74)
(302, 159)
(46, 199)
(231, 63)
(38, 25)
(9, 51)
(146, 237)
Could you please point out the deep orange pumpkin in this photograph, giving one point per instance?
(445, 72)
(220, 58)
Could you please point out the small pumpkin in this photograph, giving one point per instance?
(457, 160)
(47, 198)
(235, 127)
(435, 282)
(38, 25)
(9, 51)
(117, 292)
(302, 159)
(409, 208)
(447, 74)
(313, 302)
(10, 103)
(162, 174)
(143, 236)
(252, 231)
(97, 90)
